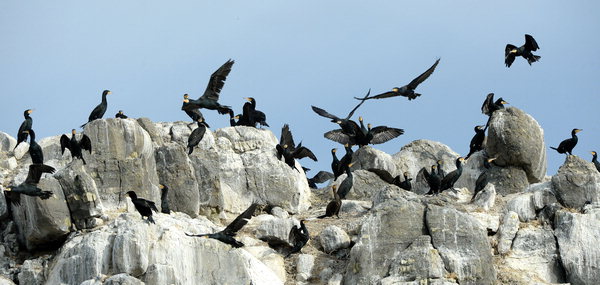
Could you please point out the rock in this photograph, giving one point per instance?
(355, 208)
(472, 168)
(522, 205)
(3, 205)
(516, 139)
(368, 157)
(364, 185)
(153, 131)
(43, 222)
(176, 171)
(304, 267)
(336, 279)
(7, 143)
(159, 274)
(578, 236)
(9, 163)
(6, 281)
(130, 249)
(280, 213)
(490, 222)
(272, 228)
(508, 230)
(543, 194)
(20, 151)
(419, 261)
(462, 244)
(333, 238)
(270, 258)
(508, 180)
(123, 279)
(32, 271)
(486, 198)
(576, 182)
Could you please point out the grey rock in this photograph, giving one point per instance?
(462, 243)
(368, 157)
(336, 279)
(3, 205)
(32, 271)
(517, 140)
(269, 257)
(576, 182)
(272, 228)
(508, 230)
(419, 261)
(123, 279)
(543, 194)
(491, 222)
(355, 208)
(472, 168)
(578, 236)
(486, 198)
(7, 143)
(159, 274)
(95, 281)
(280, 213)
(20, 151)
(523, 205)
(6, 281)
(333, 238)
(364, 185)
(304, 267)
(130, 249)
(152, 129)
(508, 180)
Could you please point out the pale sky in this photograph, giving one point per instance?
(58, 56)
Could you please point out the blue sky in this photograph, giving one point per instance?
(58, 56)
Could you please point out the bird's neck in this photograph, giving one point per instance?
(104, 98)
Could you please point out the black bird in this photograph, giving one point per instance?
(347, 184)
(440, 171)
(349, 127)
(490, 106)
(164, 199)
(595, 160)
(250, 116)
(29, 186)
(143, 206)
(232, 118)
(196, 135)
(335, 165)
(99, 111)
(35, 150)
(387, 177)
(333, 208)
(451, 178)
(482, 180)
(321, 177)
(406, 90)
(298, 237)
(567, 145)
(74, 146)
(209, 99)
(433, 179)
(227, 235)
(339, 166)
(121, 115)
(287, 149)
(477, 141)
(511, 51)
(26, 125)
(377, 135)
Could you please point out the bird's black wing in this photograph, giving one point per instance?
(240, 221)
(36, 171)
(361, 102)
(295, 235)
(485, 108)
(286, 137)
(509, 57)
(325, 114)
(217, 80)
(303, 152)
(13, 197)
(415, 82)
(65, 142)
(145, 203)
(530, 43)
(279, 149)
(383, 174)
(425, 174)
(337, 136)
(86, 143)
(385, 95)
(322, 176)
(383, 134)
(445, 184)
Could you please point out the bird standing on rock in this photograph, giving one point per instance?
(121, 115)
(250, 116)
(511, 51)
(99, 111)
(490, 106)
(35, 150)
(333, 208)
(75, 146)
(387, 177)
(477, 141)
(164, 199)
(143, 206)
(482, 180)
(451, 178)
(26, 125)
(196, 135)
(567, 145)
(595, 160)
(433, 179)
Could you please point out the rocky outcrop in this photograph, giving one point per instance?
(576, 183)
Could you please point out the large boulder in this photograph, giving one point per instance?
(508, 179)
(424, 153)
(517, 140)
(7, 143)
(368, 157)
(420, 261)
(576, 182)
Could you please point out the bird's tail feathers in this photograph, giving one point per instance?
(322, 216)
(150, 219)
(554, 148)
(224, 110)
(533, 58)
(413, 96)
(191, 149)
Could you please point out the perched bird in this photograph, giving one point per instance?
(440, 171)
(75, 146)
(250, 116)
(347, 184)
(143, 206)
(298, 237)
(121, 115)
(451, 178)
(35, 150)
(511, 51)
(335, 165)
(209, 99)
(348, 126)
(26, 125)
(333, 208)
(164, 199)
(482, 180)
(321, 177)
(287, 149)
(567, 145)
(196, 135)
(595, 160)
(477, 141)
(99, 111)
(365, 136)
(432, 178)
(406, 90)
(29, 186)
(490, 106)
(227, 235)
(232, 118)
(387, 177)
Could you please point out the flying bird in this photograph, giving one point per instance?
(26, 125)
(143, 206)
(75, 146)
(228, 234)
(287, 149)
(99, 111)
(348, 126)
(511, 51)
(321, 177)
(209, 100)
(406, 90)
(369, 135)
(567, 145)
(29, 186)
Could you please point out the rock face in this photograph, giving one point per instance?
(333, 238)
(577, 182)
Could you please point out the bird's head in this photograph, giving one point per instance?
(186, 96)
(405, 173)
(160, 186)
(200, 120)
(120, 112)
(369, 125)
(237, 117)
(8, 189)
(346, 145)
(479, 128)
(333, 150)
(28, 111)
(285, 146)
(577, 130)
(395, 89)
(434, 166)
(461, 159)
(249, 99)
(350, 164)
(360, 118)
(73, 131)
(26, 131)
(131, 194)
(593, 152)
(186, 100)
(513, 50)
(106, 92)
(501, 101)
(440, 162)
(491, 159)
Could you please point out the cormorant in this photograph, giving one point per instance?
(321, 177)
(440, 171)
(490, 106)
(121, 115)
(250, 116)
(99, 111)
(335, 165)
(143, 206)
(347, 184)
(196, 135)
(451, 178)
(35, 150)
(482, 180)
(387, 177)
(567, 145)
(406, 90)
(74, 146)
(349, 127)
(477, 141)
(433, 179)
(232, 118)
(26, 125)
(298, 237)
(164, 199)
(333, 208)
(209, 99)
(227, 235)
(29, 186)
(595, 160)
(288, 149)
(194, 114)
(377, 135)
(511, 51)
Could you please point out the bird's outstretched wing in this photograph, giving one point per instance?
(36, 171)
(240, 221)
(383, 174)
(65, 142)
(383, 134)
(485, 108)
(509, 57)
(286, 137)
(217, 80)
(337, 136)
(530, 43)
(325, 114)
(303, 152)
(415, 82)
(322, 176)
(361, 102)
(86, 143)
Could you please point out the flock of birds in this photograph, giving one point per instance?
(349, 134)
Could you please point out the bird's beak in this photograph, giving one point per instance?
(247, 99)
(285, 146)
(237, 117)
(109, 92)
(491, 159)
(369, 126)
(334, 150)
(360, 119)
(30, 111)
(461, 158)
(338, 122)
(7, 189)
(513, 51)
(395, 89)
(350, 165)
(578, 130)
(503, 102)
(161, 186)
